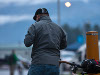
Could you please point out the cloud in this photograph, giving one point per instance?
(32, 2)
(25, 2)
(13, 18)
(4, 19)
(85, 1)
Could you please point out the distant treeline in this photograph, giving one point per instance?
(73, 33)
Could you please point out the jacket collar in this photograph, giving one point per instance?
(45, 18)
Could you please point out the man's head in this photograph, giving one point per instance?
(13, 51)
(40, 12)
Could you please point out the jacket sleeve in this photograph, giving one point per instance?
(63, 43)
(29, 37)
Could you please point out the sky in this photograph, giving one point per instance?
(17, 15)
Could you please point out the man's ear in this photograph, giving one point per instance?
(38, 16)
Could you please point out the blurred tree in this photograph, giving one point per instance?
(97, 28)
(66, 27)
(87, 27)
(68, 31)
(72, 33)
(76, 32)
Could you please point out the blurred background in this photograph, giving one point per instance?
(76, 17)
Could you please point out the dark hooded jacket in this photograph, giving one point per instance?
(48, 39)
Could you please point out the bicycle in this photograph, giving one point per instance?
(88, 66)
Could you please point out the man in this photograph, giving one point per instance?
(12, 61)
(47, 39)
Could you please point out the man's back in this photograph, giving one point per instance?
(48, 39)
